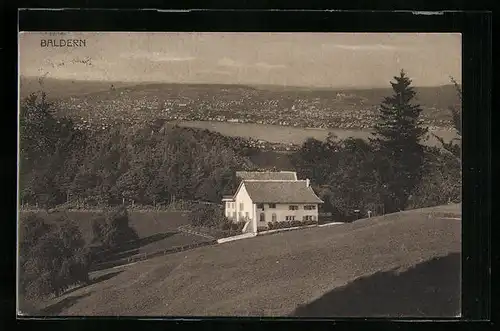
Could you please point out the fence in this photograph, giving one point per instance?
(186, 229)
(147, 256)
(177, 205)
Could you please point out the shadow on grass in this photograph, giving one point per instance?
(57, 308)
(430, 289)
(113, 256)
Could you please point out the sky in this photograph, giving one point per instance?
(286, 59)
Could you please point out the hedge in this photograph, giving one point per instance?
(289, 224)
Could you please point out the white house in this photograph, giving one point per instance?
(264, 197)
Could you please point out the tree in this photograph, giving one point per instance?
(113, 229)
(441, 182)
(453, 147)
(52, 257)
(50, 150)
(317, 159)
(398, 133)
(354, 183)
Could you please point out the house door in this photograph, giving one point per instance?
(262, 217)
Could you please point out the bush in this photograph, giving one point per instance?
(98, 223)
(113, 228)
(237, 226)
(228, 225)
(208, 215)
(440, 184)
(289, 224)
(52, 257)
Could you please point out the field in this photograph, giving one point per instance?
(145, 223)
(403, 264)
(293, 135)
(157, 231)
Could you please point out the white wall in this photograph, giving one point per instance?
(282, 211)
(243, 197)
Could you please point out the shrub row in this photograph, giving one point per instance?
(232, 226)
(289, 224)
(75, 206)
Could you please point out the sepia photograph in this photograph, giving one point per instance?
(239, 174)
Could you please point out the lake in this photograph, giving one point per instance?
(293, 135)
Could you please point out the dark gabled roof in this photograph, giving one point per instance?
(267, 175)
(280, 191)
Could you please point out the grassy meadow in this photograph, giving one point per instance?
(290, 273)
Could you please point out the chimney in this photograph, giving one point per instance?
(307, 182)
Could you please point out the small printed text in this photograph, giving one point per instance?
(63, 43)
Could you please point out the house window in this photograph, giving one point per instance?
(241, 206)
(262, 217)
(308, 218)
(289, 218)
(272, 205)
(274, 217)
(310, 207)
(260, 206)
(246, 215)
(234, 215)
(293, 207)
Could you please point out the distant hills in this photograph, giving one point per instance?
(62, 88)
(439, 97)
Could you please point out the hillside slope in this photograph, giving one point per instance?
(289, 273)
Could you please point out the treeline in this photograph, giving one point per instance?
(59, 163)
(352, 175)
(389, 173)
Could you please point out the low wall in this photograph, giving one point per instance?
(238, 237)
(332, 223)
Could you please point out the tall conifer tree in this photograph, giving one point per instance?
(398, 133)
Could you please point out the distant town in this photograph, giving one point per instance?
(237, 105)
